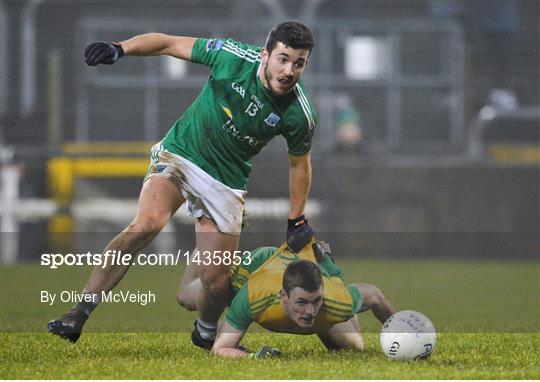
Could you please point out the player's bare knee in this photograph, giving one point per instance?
(217, 288)
(180, 299)
(186, 300)
(147, 227)
(215, 284)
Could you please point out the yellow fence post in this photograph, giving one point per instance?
(60, 179)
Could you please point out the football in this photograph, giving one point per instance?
(408, 335)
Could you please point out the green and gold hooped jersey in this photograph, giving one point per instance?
(234, 116)
(258, 287)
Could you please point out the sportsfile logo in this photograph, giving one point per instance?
(113, 257)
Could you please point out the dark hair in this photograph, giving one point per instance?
(293, 34)
(304, 274)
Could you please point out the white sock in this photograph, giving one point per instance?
(206, 329)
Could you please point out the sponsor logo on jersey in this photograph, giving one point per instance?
(227, 111)
(272, 120)
(233, 131)
(214, 44)
(239, 89)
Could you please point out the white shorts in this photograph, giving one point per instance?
(204, 195)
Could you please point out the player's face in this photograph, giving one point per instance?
(282, 69)
(302, 306)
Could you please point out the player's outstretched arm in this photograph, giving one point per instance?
(149, 44)
(299, 183)
(374, 299)
(299, 233)
(227, 341)
(154, 44)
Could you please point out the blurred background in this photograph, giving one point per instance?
(428, 143)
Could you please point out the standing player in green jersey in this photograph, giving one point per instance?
(252, 95)
(285, 292)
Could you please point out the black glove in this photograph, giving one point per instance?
(320, 249)
(265, 352)
(102, 52)
(299, 233)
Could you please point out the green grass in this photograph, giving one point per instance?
(171, 356)
(501, 300)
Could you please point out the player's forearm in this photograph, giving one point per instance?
(381, 306)
(227, 341)
(383, 310)
(374, 299)
(299, 186)
(229, 353)
(153, 44)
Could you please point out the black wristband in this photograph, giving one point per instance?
(294, 222)
(119, 49)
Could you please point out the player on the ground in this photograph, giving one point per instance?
(252, 95)
(285, 292)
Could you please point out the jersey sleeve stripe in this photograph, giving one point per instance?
(239, 281)
(237, 54)
(346, 316)
(240, 53)
(262, 307)
(338, 310)
(334, 302)
(308, 105)
(304, 107)
(241, 278)
(248, 52)
(255, 302)
(261, 303)
(238, 50)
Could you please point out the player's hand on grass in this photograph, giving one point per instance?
(265, 352)
(299, 233)
(69, 326)
(102, 52)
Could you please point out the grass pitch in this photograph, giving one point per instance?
(171, 356)
(486, 313)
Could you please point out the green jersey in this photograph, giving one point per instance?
(234, 116)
